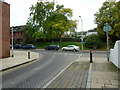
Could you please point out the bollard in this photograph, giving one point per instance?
(28, 54)
(91, 57)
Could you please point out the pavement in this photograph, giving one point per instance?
(100, 74)
(20, 57)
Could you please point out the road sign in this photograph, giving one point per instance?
(107, 27)
(82, 42)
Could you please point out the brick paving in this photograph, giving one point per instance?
(75, 76)
(19, 58)
(103, 75)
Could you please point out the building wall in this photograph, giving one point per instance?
(90, 33)
(19, 37)
(4, 30)
(19, 34)
(0, 29)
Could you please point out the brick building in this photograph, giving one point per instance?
(19, 34)
(4, 29)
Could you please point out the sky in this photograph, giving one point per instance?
(19, 11)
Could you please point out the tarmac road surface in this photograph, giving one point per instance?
(39, 72)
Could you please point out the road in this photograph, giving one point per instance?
(39, 72)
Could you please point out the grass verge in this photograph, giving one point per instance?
(61, 44)
(42, 45)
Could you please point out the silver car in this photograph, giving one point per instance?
(71, 48)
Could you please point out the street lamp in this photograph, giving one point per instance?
(12, 43)
(107, 28)
(82, 31)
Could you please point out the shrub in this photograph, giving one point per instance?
(93, 42)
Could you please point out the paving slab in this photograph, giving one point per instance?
(20, 57)
(75, 76)
(103, 75)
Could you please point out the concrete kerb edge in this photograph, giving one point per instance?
(30, 60)
(89, 77)
(45, 86)
(19, 64)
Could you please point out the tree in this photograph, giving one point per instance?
(30, 30)
(38, 14)
(93, 41)
(50, 21)
(109, 13)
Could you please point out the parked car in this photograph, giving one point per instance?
(71, 48)
(29, 46)
(17, 46)
(52, 47)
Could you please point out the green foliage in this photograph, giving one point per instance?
(49, 21)
(93, 41)
(54, 25)
(109, 13)
(29, 32)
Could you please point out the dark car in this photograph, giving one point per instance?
(52, 47)
(29, 46)
(17, 46)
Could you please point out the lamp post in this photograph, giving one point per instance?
(107, 28)
(82, 31)
(12, 43)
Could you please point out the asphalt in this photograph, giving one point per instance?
(80, 74)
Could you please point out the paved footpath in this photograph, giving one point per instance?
(104, 74)
(100, 74)
(20, 57)
(80, 74)
(75, 76)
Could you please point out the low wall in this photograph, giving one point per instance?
(115, 54)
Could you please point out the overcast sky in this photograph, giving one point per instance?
(19, 12)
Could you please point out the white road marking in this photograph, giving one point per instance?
(71, 54)
(58, 74)
(66, 54)
(78, 59)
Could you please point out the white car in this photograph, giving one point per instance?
(71, 48)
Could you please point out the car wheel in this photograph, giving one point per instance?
(64, 50)
(74, 50)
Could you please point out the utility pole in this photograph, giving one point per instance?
(12, 43)
(82, 31)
